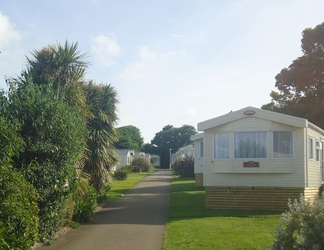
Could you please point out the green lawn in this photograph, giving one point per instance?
(191, 226)
(118, 188)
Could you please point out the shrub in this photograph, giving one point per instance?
(143, 163)
(10, 142)
(137, 169)
(302, 227)
(18, 211)
(54, 137)
(103, 194)
(85, 205)
(127, 168)
(120, 175)
(184, 167)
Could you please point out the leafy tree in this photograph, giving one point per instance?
(64, 67)
(101, 155)
(301, 85)
(54, 136)
(10, 142)
(170, 138)
(129, 138)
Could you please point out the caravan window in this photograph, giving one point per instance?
(311, 148)
(250, 145)
(282, 144)
(201, 149)
(221, 146)
(318, 148)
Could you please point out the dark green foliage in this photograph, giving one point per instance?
(101, 155)
(184, 167)
(51, 129)
(137, 169)
(54, 134)
(143, 163)
(127, 168)
(302, 227)
(120, 175)
(170, 138)
(10, 143)
(129, 138)
(300, 85)
(18, 211)
(85, 206)
(74, 224)
(103, 194)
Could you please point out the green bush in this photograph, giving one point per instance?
(54, 137)
(18, 211)
(302, 227)
(120, 175)
(85, 206)
(103, 194)
(10, 142)
(143, 163)
(184, 167)
(137, 169)
(127, 168)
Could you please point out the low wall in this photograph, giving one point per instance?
(263, 198)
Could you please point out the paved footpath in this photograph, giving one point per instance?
(136, 221)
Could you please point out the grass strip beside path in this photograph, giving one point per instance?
(118, 188)
(191, 226)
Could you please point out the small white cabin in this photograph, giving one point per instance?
(257, 159)
(156, 160)
(125, 157)
(199, 160)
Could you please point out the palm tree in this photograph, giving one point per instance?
(101, 155)
(64, 67)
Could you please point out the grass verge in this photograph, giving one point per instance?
(191, 226)
(118, 188)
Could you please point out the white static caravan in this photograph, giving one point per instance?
(257, 159)
(198, 141)
(156, 160)
(125, 157)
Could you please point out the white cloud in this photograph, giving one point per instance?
(105, 49)
(151, 65)
(8, 33)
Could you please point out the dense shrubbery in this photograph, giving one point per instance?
(137, 169)
(302, 227)
(143, 163)
(18, 211)
(48, 157)
(85, 205)
(184, 167)
(103, 195)
(10, 143)
(127, 168)
(46, 118)
(120, 175)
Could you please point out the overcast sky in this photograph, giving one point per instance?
(171, 62)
